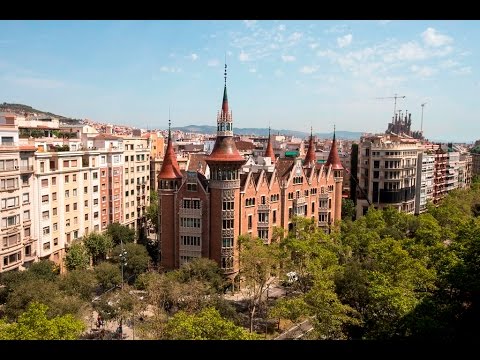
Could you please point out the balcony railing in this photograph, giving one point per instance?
(27, 168)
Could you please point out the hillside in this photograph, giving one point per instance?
(21, 109)
(207, 129)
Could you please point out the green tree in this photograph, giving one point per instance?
(120, 233)
(136, 259)
(45, 292)
(108, 275)
(44, 269)
(98, 245)
(82, 283)
(152, 210)
(257, 265)
(204, 270)
(33, 324)
(77, 257)
(206, 325)
(348, 209)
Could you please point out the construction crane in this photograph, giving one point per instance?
(421, 123)
(396, 96)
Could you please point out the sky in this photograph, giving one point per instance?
(286, 74)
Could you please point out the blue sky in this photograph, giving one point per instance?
(289, 74)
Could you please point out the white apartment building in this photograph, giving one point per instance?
(387, 172)
(425, 179)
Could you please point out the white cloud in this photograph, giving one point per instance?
(243, 56)
(213, 62)
(295, 36)
(449, 64)
(252, 70)
(313, 46)
(344, 41)
(384, 22)
(422, 71)
(281, 27)
(249, 23)
(288, 58)
(278, 73)
(170, 69)
(432, 38)
(172, 55)
(466, 70)
(309, 69)
(193, 56)
(336, 29)
(408, 51)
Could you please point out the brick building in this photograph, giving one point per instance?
(203, 217)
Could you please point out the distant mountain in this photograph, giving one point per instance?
(22, 109)
(208, 129)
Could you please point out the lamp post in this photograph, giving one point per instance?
(123, 258)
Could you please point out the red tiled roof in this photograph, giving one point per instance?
(333, 158)
(269, 151)
(310, 157)
(224, 150)
(170, 169)
(284, 166)
(106, 137)
(244, 145)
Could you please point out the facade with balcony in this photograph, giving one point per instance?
(387, 172)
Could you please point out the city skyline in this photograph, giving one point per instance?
(316, 73)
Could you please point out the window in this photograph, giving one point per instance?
(249, 202)
(274, 216)
(95, 175)
(74, 192)
(190, 222)
(55, 226)
(26, 215)
(46, 246)
(95, 215)
(44, 182)
(67, 178)
(85, 176)
(262, 217)
(86, 203)
(313, 207)
(67, 222)
(228, 205)
(86, 216)
(44, 199)
(46, 230)
(75, 220)
(227, 242)
(11, 240)
(45, 215)
(263, 234)
(26, 198)
(67, 194)
(250, 221)
(95, 201)
(104, 199)
(67, 208)
(74, 177)
(190, 240)
(191, 187)
(75, 234)
(74, 206)
(104, 173)
(95, 188)
(11, 202)
(55, 242)
(25, 180)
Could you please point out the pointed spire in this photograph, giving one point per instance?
(269, 151)
(225, 98)
(170, 169)
(310, 157)
(333, 158)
